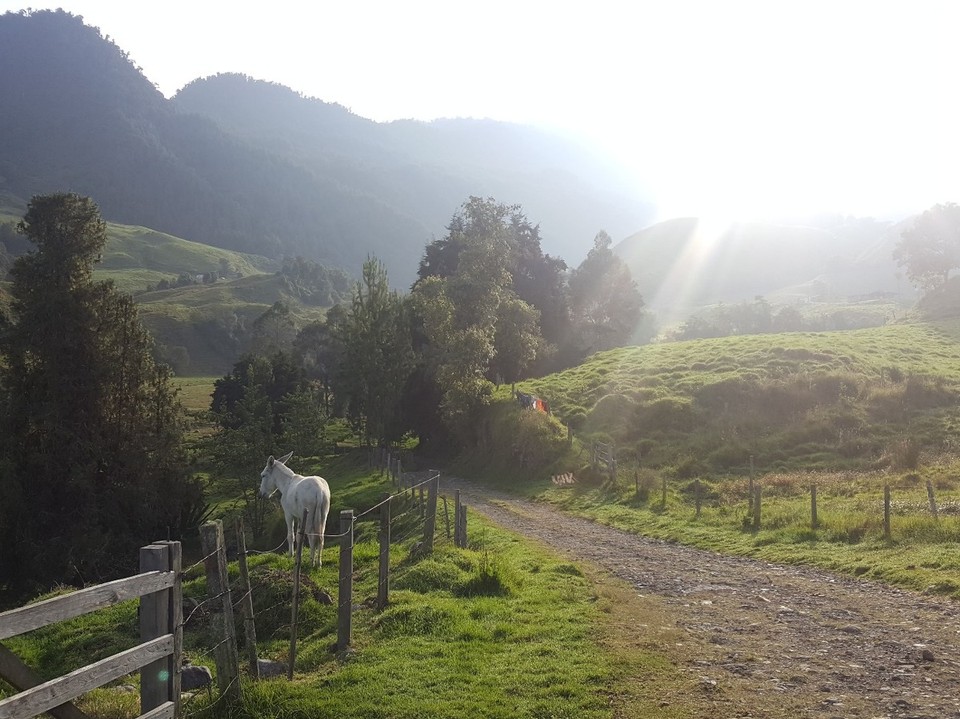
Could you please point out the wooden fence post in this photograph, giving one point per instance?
(931, 499)
(345, 598)
(383, 585)
(886, 511)
(218, 587)
(813, 507)
(456, 518)
(246, 602)
(295, 605)
(446, 515)
(463, 527)
(756, 506)
(161, 613)
(430, 524)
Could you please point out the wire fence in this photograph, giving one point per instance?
(406, 515)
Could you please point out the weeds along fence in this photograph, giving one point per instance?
(157, 657)
(842, 506)
(408, 514)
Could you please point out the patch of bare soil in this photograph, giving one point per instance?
(758, 639)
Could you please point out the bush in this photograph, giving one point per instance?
(538, 439)
(428, 576)
(904, 454)
(415, 620)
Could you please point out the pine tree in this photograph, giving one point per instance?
(92, 458)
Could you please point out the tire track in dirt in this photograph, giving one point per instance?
(769, 640)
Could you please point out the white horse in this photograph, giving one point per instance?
(298, 493)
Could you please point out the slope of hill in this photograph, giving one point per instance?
(273, 173)
(137, 257)
(813, 400)
(686, 263)
(200, 328)
(203, 329)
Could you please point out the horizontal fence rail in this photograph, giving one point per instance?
(158, 588)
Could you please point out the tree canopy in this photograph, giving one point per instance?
(930, 249)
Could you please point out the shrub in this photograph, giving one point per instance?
(904, 454)
(490, 579)
(664, 414)
(538, 439)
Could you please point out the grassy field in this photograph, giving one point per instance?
(792, 401)
(499, 629)
(849, 412)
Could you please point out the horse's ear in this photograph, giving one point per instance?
(285, 458)
(270, 461)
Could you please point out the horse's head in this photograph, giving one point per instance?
(268, 482)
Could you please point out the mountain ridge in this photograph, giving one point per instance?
(78, 115)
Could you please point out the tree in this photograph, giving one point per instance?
(473, 323)
(377, 354)
(319, 351)
(931, 248)
(534, 277)
(93, 464)
(604, 300)
(273, 331)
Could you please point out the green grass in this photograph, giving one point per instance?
(195, 393)
(792, 401)
(849, 537)
(499, 629)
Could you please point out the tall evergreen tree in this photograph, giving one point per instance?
(91, 447)
(377, 354)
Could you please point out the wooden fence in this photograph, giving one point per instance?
(605, 455)
(157, 656)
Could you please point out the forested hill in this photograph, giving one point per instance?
(255, 167)
(428, 169)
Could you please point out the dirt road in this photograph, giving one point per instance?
(762, 640)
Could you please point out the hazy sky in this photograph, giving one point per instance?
(721, 108)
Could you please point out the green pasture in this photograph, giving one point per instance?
(499, 629)
(849, 537)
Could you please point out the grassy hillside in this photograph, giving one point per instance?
(811, 400)
(202, 327)
(137, 256)
(212, 323)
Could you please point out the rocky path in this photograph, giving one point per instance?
(769, 640)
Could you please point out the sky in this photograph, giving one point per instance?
(729, 110)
